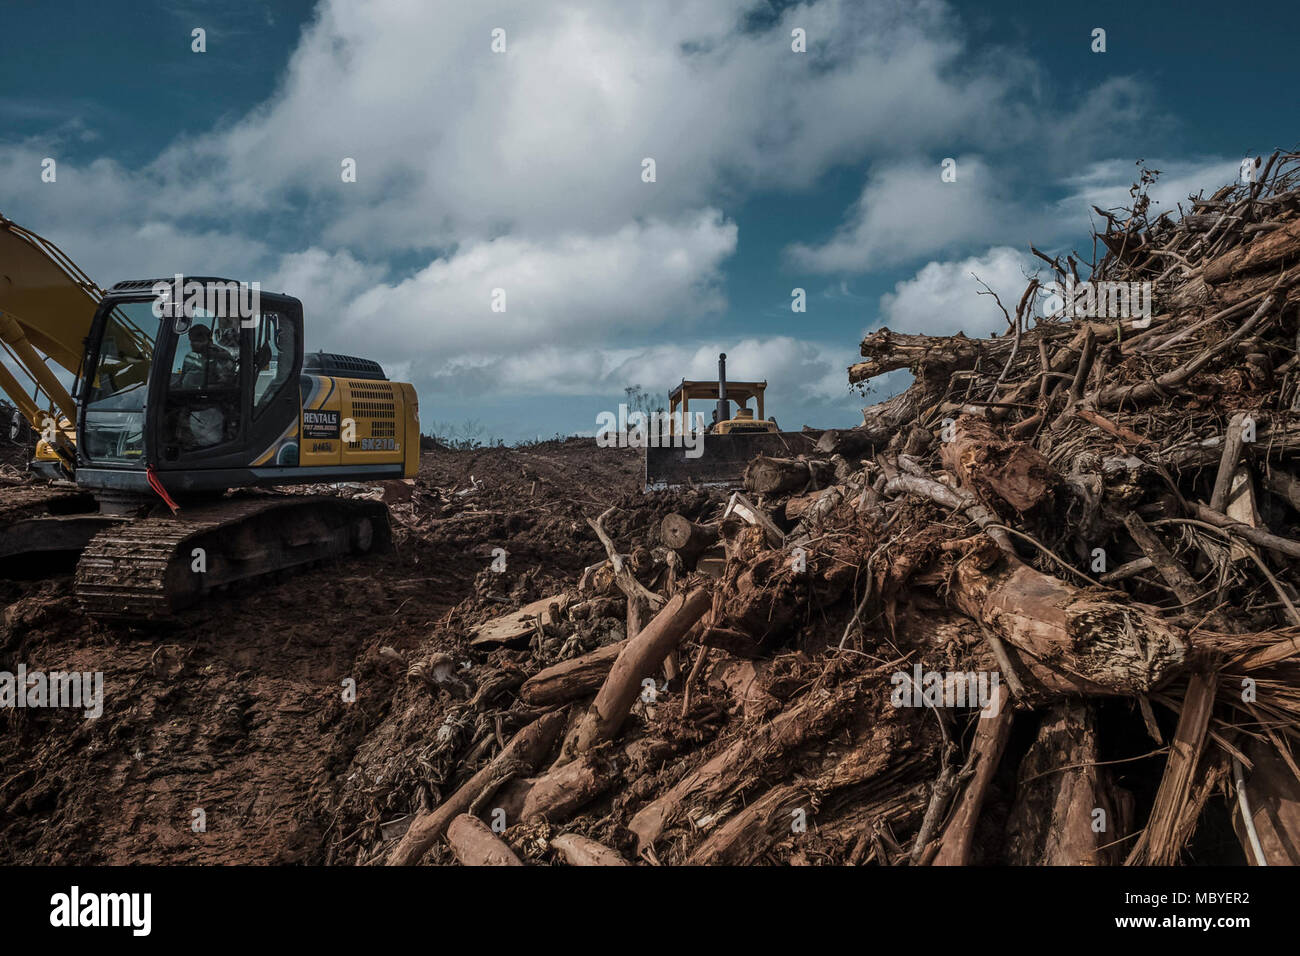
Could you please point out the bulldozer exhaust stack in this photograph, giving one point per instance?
(724, 406)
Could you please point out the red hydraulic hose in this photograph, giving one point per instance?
(157, 486)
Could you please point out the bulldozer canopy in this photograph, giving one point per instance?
(739, 392)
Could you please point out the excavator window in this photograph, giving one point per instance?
(203, 402)
(273, 356)
(115, 399)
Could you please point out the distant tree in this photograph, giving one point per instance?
(1140, 190)
(639, 400)
(466, 435)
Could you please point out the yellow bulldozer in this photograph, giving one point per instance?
(159, 403)
(729, 442)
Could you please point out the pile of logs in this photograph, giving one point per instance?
(1042, 607)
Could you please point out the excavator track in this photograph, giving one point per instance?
(21, 500)
(149, 569)
(41, 518)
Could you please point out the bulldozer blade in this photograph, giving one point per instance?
(723, 460)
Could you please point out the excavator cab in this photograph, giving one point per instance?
(197, 396)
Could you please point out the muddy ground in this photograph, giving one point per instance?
(233, 715)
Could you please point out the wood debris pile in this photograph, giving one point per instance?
(1042, 607)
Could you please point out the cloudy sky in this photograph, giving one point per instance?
(523, 170)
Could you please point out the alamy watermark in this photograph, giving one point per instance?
(635, 429)
(73, 909)
(1094, 300)
(182, 298)
(75, 689)
(946, 689)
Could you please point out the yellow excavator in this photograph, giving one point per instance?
(161, 405)
(728, 443)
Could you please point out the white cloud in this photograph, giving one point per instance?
(1106, 184)
(455, 142)
(795, 368)
(326, 282)
(942, 298)
(653, 277)
(1117, 110)
(520, 171)
(906, 210)
(114, 222)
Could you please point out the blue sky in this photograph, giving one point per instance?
(522, 170)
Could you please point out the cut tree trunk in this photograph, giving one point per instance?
(579, 850)
(796, 508)
(557, 795)
(849, 442)
(823, 504)
(884, 420)
(640, 658)
(571, 679)
(928, 356)
(993, 466)
(686, 537)
(1101, 637)
(476, 845)
(990, 740)
(525, 751)
(779, 476)
(1059, 790)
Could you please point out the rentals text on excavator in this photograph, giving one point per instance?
(183, 404)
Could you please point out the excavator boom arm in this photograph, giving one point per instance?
(46, 307)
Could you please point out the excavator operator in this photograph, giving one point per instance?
(207, 366)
